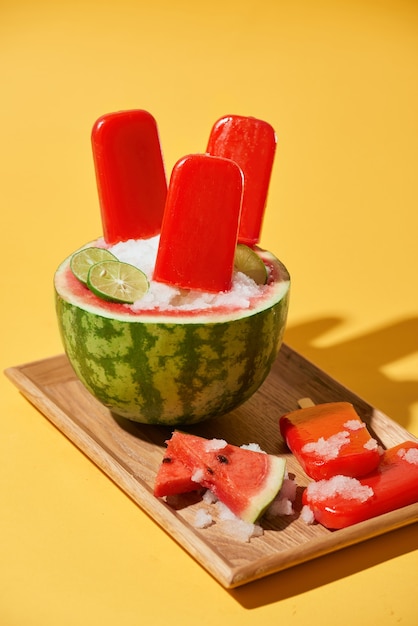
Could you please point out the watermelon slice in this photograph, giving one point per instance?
(244, 480)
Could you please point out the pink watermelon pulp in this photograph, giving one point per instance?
(244, 480)
(173, 477)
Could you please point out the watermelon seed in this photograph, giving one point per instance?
(167, 459)
(210, 470)
(222, 459)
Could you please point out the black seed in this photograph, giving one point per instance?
(210, 470)
(167, 459)
(222, 459)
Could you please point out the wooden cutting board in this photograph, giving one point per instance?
(130, 454)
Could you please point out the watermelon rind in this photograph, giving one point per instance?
(165, 368)
(260, 502)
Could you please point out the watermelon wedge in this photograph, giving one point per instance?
(244, 480)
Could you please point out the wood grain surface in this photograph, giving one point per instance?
(130, 454)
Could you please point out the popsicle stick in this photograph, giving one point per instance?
(304, 403)
(200, 225)
(130, 175)
(251, 143)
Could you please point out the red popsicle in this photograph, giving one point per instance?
(329, 439)
(200, 224)
(251, 143)
(342, 501)
(130, 175)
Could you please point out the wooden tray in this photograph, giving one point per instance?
(130, 454)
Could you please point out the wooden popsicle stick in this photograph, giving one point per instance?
(304, 403)
(130, 175)
(251, 143)
(200, 225)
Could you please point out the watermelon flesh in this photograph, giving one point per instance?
(243, 480)
(173, 478)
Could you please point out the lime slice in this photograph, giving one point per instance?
(117, 282)
(248, 262)
(83, 260)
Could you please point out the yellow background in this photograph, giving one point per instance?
(338, 81)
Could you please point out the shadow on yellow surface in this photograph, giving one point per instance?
(359, 363)
(327, 569)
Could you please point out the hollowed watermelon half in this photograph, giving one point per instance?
(171, 367)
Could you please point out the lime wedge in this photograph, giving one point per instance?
(117, 282)
(248, 262)
(83, 260)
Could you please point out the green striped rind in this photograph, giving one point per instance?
(171, 372)
(259, 502)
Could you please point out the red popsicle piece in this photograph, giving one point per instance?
(342, 501)
(329, 439)
(251, 143)
(200, 225)
(130, 175)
